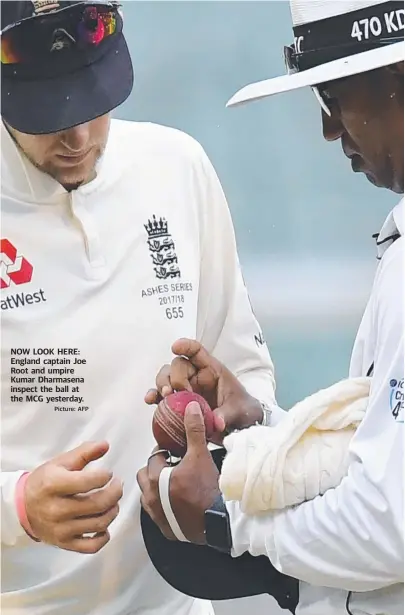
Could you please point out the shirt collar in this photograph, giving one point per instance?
(392, 229)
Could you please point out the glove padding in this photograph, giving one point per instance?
(304, 455)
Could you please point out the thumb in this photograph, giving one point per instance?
(195, 427)
(79, 457)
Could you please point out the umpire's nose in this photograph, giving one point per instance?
(332, 127)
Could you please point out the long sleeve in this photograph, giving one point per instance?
(11, 529)
(352, 537)
(226, 323)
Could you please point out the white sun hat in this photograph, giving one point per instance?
(334, 39)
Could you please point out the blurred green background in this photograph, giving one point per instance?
(303, 220)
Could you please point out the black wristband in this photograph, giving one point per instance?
(218, 533)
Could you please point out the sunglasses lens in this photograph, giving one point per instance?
(95, 26)
(33, 39)
(292, 67)
(9, 54)
(288, 59)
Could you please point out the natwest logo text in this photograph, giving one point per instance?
(21, 299)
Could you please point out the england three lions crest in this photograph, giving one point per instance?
(162, 249)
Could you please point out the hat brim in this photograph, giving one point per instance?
(344, 67)
(44, 106)
(202, 572)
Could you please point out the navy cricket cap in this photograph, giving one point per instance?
(62, 63)
(202, 572)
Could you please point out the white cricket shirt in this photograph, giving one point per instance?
(352, 538)
(109, 275)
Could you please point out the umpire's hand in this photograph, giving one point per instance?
(193, 482)
(194, 369)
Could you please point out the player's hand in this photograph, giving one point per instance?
(64, 501)
(193, 482)
(194, 369)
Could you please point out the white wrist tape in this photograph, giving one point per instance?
(164, 483)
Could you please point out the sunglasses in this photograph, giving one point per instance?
(79, 27)
(290, 56)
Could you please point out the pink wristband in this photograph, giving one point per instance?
(20, 505)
